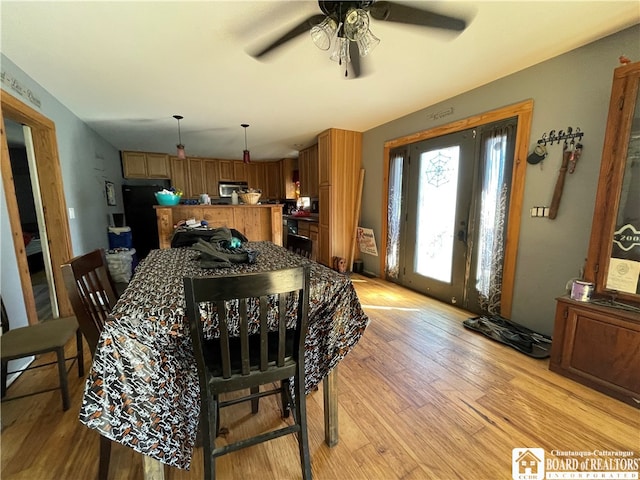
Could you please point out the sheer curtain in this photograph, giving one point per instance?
(496, 166)
(393, 214)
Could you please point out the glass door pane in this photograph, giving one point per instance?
(436, 211)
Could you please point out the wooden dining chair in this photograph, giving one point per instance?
(44, 337)
(300, 245)
(249, 353)
(91, 291)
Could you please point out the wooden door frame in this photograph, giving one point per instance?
(523, 111)
(51, 189)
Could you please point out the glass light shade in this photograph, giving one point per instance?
(356, 24)
(367, 43)
(180, 152)
(246, 156)
(340, 52)
(323, 33)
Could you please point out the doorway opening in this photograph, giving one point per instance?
(34, 232)
(54, 211)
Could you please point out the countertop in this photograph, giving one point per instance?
(313, 218)
(200, 205)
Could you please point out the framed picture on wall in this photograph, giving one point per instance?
(111, 193)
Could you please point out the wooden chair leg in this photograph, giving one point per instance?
(105, 457)
(64, 384)
(4, 378)
(301, 419)
(80, 353)
(255, 402)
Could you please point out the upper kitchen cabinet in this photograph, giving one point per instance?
(339, 164)
(240, 172)
(273, 180)
(180, 175)
(145, 165)
(289, 175)
(226, 170)
(308, 166)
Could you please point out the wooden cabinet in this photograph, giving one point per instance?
(288, 185)
(310, 230)
(339, 164)
(211, 174)
(308, 166)
(145, 165)
(272, 181)
(597, 343)
(180, 175)
(256, 222)
(599, 347)
(240, 172)
(226, 169)
(196, 176)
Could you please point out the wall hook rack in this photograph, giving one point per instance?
(561, 135)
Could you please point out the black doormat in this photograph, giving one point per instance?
(516, 336)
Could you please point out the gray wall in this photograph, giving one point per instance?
(87, 160)
(569, 90)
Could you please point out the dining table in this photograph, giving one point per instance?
(142, 389)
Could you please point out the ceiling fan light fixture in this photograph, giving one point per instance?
(356, 24)
(246, 155)
(323, 33)
(367, 43)
(340, 52)
(180, 147)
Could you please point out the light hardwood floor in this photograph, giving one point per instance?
(420, 397)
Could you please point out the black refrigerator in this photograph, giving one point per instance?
(140, 216)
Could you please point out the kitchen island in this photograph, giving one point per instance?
(256, 222)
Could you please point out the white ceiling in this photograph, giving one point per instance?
(125, 68)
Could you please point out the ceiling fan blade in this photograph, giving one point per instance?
(299, 29)
(395, 12)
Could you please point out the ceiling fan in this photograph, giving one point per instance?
(343, 26)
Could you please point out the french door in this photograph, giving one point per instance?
(439, 184)
(448, 209)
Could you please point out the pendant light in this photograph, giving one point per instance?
(181, 153)
(246, 156)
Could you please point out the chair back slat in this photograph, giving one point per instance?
(258, 344)
(91, 292)
(300, 244)
(282, 329)
(221, 308)
(264, 334)
(244, 335)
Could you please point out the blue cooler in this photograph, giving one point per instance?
(120, 237)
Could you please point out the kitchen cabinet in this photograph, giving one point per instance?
(240, 172)
(145, 165)
(179, 174)
(310, 230)
(257, 176)
(211, 174)
(288, 186)
(308, 166)
(339, 164)
(226, 170)
(196, 176)
(597, 343)
(272, 181)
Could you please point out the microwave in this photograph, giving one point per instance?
(225, 189)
